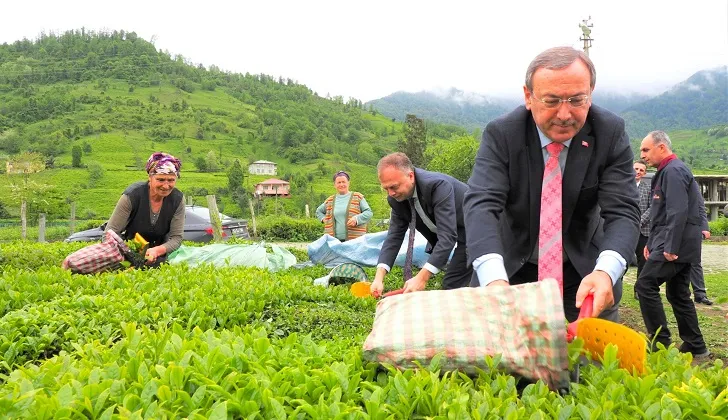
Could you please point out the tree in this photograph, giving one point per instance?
(95, 173)
(235, 177)
(76, 154)
(414, 142)
(455, 158)
(365, 153)
(211, 162)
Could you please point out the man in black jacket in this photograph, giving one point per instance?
(436, 202)
(673, 246)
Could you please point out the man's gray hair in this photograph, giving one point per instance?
(398, 160)
(661, 137)
(558, 58)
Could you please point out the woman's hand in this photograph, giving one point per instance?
(351, 222)
(154, 253)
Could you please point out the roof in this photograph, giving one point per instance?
(264, 161)
(273, 181)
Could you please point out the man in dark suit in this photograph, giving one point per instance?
(588, 229)
(674, 244)
(645, 198)
(697, 278)
(435, 200)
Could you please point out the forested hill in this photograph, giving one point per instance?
(68, 77)
(118, 98)
(453, 107)
(701, 101)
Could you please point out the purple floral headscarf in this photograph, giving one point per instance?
(163, 163)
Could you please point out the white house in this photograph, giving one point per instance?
(263, 167)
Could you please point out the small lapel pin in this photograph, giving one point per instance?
(585, 144)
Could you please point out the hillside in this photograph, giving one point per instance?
(454, 107)
(701, 101)
(705, 151)
(473, 111)
(117, 98)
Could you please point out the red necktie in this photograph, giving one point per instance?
(550, 245)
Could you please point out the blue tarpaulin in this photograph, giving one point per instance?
(363, 250)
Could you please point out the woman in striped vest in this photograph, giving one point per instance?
(345, 214)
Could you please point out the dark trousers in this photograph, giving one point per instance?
(698, 281)
(676, 278)
(529, 274)
(640, 253)
(458, 273)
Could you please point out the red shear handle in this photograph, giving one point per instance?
(394, 292)
(587, 308)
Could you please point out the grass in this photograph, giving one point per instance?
(712, 319)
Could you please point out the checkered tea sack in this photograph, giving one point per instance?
(525, 324)
(97, 258)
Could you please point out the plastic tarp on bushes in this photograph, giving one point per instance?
(221, 255)
(363, 250)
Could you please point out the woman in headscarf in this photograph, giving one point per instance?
(345, 214)
(154, 208)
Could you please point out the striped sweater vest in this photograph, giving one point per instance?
(353, 210)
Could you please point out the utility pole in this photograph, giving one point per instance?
(586, 26)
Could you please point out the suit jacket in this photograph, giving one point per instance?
(441, 198)
(599, 202)
(676, 221)
(645, 198)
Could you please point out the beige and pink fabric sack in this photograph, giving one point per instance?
(525, 324)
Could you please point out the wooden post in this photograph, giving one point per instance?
(23, 220)
(713, 196)
(214, 218)
(41, 227)
(72, 222)
(252, 216)
(308, 213)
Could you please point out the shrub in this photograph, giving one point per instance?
(719, 227)
(283, 228)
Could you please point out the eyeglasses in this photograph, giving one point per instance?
(575, 101)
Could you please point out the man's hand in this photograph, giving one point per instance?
(500, 283)
(599, 284)
(646, 253)
(418, 282)
(376, 288)
(669, 257)
(377, 285)
(351, 222)
(706, 234)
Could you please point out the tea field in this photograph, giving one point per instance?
(244, 343)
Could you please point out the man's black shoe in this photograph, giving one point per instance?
(704, 301)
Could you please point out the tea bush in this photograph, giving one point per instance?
(233, 342)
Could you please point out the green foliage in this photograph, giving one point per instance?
(719, 227)
(3, 211)
(215, 343)
(235, 176)
(455, 158)
(95, 173)
(283, 228)
(76, 154)
(414, 142)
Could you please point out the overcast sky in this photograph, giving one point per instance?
(369, 49)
